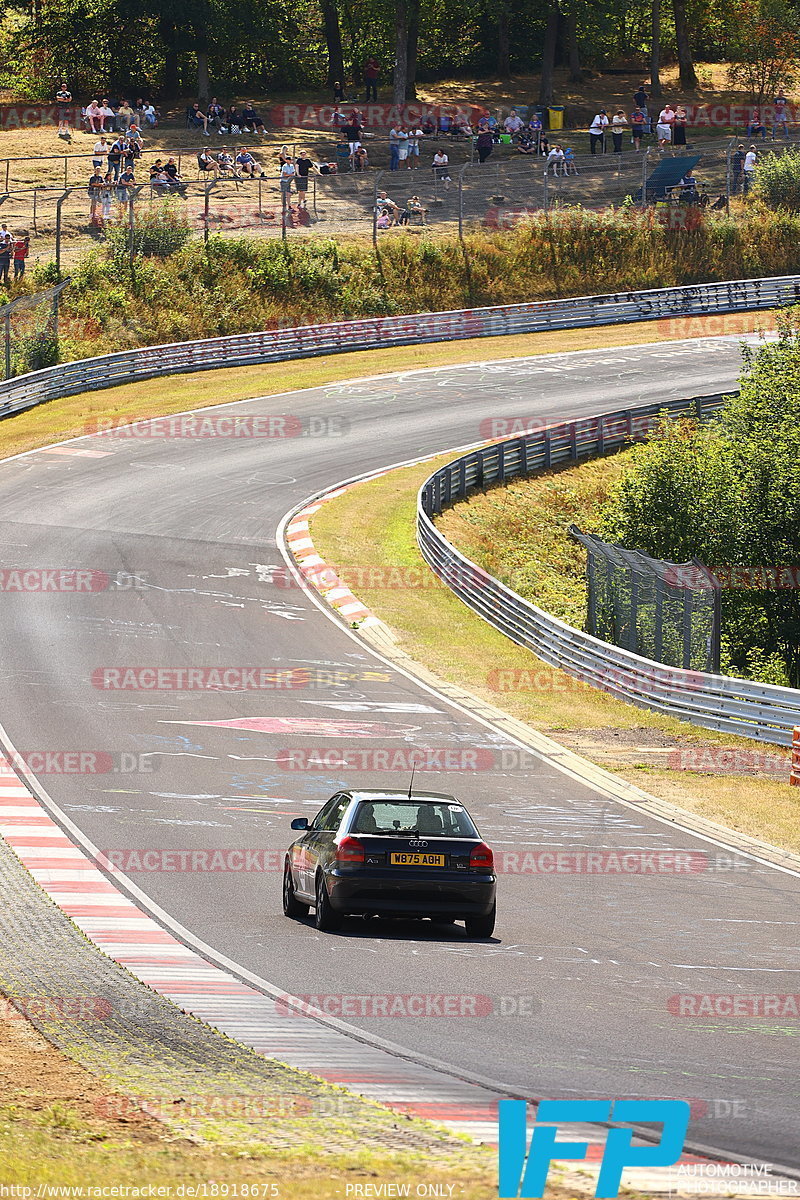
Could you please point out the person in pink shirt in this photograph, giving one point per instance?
(94, 117)
(666, 119)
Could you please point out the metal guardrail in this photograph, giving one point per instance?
(343, 337)
(756, 710)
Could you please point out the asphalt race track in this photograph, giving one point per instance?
(191, 523)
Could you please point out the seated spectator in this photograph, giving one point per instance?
(159, 180)
(125, 115)
(328, 168)
(544, 144)
(756, 126)
(94, 117)
(414, 208)
(251, 120)
(385, 205)
(339, 120)
(445, 122)
(556, 160)
(135, 138)
(526, 142)
(247, 164)
(428, 127)
(171, 172)
(233, 122)
(338, 92)
(108, 115)
(206, 163)
(215, 113)
(150, 114)
(360, 159)
(461, 126)
(156, 168)
(570, 166)
(441, 169)
(197, 118)
(226, 164)
(513, 123)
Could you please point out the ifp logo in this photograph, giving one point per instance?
(523, 1172)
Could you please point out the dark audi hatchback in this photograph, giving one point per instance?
(381, 853)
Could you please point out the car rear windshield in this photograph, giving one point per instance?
(410, 817)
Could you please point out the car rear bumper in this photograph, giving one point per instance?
(411, 893)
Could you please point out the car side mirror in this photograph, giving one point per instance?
(300, 823)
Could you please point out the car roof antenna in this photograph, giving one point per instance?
(411, 784)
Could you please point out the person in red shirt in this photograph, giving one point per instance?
(22, 247)
(371, 72)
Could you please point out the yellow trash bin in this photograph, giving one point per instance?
(556, 115)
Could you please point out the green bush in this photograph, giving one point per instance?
(778, 180)
(160, 230)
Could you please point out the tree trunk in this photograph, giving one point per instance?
(655, 51)
(413, 39)
(575, 73)
(549, 55)
(685, 63)
(166, 31)
(503, 40)
(203, 85)
(400, 52)
(333, 40)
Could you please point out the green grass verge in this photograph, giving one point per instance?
(372, 526)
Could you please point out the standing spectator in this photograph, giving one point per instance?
(106, 194)
(371, 72)
(338, 92)
(394, 148)
(21, 250)
(6, 250)
(483, 144)
(413, 147)
(666, 119)
(640, 100)
(737, 166)
(679, 126)
(597, 132)
(125, 185)
(781, 114)
(352, 133)
(304, 167)
(441, 169)
(618, 123)
(638, 127)
(125, 115)
(100, 153)
(63, 101)
(749, 169)
(288, 175)
(135, 138)
(756, 126)
(115, 155)
(95, 190)
(402, 145)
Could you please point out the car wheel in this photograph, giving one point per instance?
(481, 927)
(292, 907)
(327, 918)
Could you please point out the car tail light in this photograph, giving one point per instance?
(481, 858)
(349, 851)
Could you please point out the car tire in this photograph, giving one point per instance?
(327, 918)
(292, 907)
(481, 927)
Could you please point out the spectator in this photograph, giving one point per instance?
(338, 120)
(394, 149)
(100, 153)
(352, 134)
(156, 168)
(384, 204)
(106, 194)
(749, 169)
(402, 145)
(513, 123)
(371, 72)
(570, 165)
(171, 172)
(461, 126)
(304, 167)
(95, 188)
(535, 128)
(63, 101)
(94, 117)
(150, 115)
(781, 114)
(215, 113)
(108, 115)
(328, 168)
(557, 161)
(618, 123)
(666, 119)
(20, 253)
(360, 159)
(638, 127)
(206, 163)
(338, 92)
(247, 164)
(226, 164)
(641, 100)
(414, 135)
(441, 169)
(288, 175)
(526, 142)
(737, 166)
(115, 151)
(483, 144)
(6, 251)
(597, 132)
(284, 155)
(198, 119)
(125, 185)
(445, 122)
(125, 116)
(251, 120)
(131, 150)
(756, 127)
(679, 127)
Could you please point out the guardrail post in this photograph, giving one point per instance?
(548, 448)
(573, 440)
(601, 436)
(501, 462)
(794, 778)
(462, 478)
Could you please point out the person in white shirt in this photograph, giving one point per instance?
(150, 114)
(108, 114)
(441, 168)
(557, 161)
(749, 169)
(666, 119)
(618, 123)
(288, 173)
(402, 145)
(597, 132)
(100, 152)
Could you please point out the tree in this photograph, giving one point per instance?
(549, 55)
(333, 41)
(688, 75)
(655, 49)
(764, 47)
